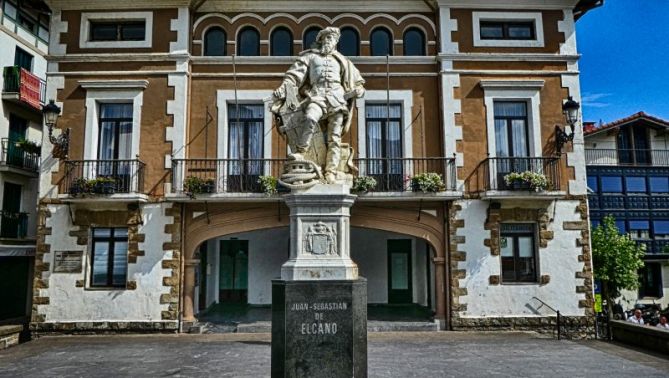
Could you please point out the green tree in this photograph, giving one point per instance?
(616, 259)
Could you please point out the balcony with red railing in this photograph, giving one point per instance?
(23, 87)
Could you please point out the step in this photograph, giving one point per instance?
(9, 335)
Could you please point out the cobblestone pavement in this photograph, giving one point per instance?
(428, 354)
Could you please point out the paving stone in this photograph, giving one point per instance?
(404, 354)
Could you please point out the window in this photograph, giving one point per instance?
(661, 229)
(639, 229)
(215, 42)
(592, 183)
(115, 144)
(381, 42)
(117, 30)
(109, 257)
(414, 42)
(511, 128)
(23, 59)
(635, 184)
(612, 184)
(659, 184)
(29, 20)
(633, 146)
(245, 141)
(650, 277)
(281, 42)
(518, 252)
(349, 42)
(620, 225)
(310, 37)
(248, 42)
(384, 145)
(508, 29)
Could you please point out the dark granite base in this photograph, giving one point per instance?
(319, 328)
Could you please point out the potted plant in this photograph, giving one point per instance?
(103, 185)
(532, 180)
(194, 185)
(268, 184)
(429, 182)
(79, 186)
(29, 146)
(363, 184)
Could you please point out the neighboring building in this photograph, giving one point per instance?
(163, 95)
(628, 177)
(24, 39)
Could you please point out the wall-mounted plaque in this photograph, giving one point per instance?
(67, 261)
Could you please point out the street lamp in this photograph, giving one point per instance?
(61, 143)
(570, 110)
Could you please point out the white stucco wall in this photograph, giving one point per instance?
(70, 304)
(559, 260)
(268, 250)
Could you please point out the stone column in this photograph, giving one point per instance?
(440, 288)
(189, 289)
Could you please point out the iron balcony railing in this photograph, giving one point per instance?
(491, 173)
(599, 156)
(15, 156)
(241, 176)
(394, 174)
(222, 175)
(13, 225)
(30, 88)
(103, 177)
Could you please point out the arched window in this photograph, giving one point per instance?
(310, 37)
(248, 42)
(349, 42)
(381, 42)
(414, 42)
(214, 42)
(281, 42)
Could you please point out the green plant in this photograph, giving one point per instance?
(29, 146)
(616, 260)
(363, 184)
(194, 185)
(536, 181)
(427, 182)
(98, 185)
(268, 184)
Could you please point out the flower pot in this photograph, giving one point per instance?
(104, 188)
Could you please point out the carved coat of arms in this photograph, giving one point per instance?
(320, 239)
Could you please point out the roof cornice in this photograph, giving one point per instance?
(116, 5)
(509, 4)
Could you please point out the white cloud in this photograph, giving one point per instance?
(591, 100)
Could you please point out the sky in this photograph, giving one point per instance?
(625, 59)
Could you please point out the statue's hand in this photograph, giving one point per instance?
(280, 92)
(359, 92)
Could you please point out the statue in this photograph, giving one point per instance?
(317, 95)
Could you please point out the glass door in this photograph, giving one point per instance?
(233, 271)
(384, 146)
(399, 271)
(245, 147)
(511, 140)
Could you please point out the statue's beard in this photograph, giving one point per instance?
(327, 48)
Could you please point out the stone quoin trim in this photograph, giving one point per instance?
(496, 216)
(585, 257)
(173, 248)
(42, 267)
(456, 274)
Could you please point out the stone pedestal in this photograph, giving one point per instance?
(319, 307)
(320, 234)
(319, 328)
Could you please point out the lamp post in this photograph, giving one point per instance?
(61, 143)
(570, 110)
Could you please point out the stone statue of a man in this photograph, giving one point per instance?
(324, 85)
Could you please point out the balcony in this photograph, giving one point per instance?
(393, 176)
(13, 225)
(23, 88)
(110, 180)
(489, 180)
(234, 178)
(13, 157)
(626, 157)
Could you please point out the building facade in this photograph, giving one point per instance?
(157, 214)
(24, 39)
(628, 177)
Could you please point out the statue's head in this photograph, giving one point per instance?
(327, 39)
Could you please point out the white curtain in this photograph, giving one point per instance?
(115, 141)
(245, 137)
(384, 141)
